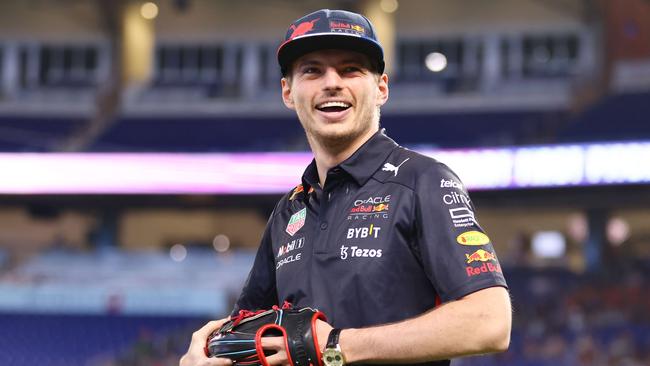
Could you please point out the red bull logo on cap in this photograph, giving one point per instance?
(302, 28)
(480, 256)
(342, 26)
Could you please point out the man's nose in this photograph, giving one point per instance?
(332, 79)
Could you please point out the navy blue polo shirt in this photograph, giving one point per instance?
(391, 235)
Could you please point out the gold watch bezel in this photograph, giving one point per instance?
(334, 353)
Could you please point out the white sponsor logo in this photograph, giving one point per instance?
(368, 216)
(455, 198)
(372, 201)
(460, 212)
(462, 217)
(356, 252)
(363, 232)
(292, 258)
(388, 167)
(291, 246)
(450, 184)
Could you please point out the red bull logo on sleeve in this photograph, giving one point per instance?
(480, 256)
(472, 238)
(486, 267)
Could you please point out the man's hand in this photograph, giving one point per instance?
(195, 355)
(276, 344)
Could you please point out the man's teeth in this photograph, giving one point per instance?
(333, 104)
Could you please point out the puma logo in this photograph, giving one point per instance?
(388, 167)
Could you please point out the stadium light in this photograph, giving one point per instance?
(618, 231)
(548, 244)
(221, 243)
(436, 61)
(178, 252)
(149, 10)
(389, 6)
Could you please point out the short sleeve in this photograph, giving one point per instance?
(456, 253)
(259, 291)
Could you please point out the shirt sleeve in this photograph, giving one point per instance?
(456, 253)
(259, 291)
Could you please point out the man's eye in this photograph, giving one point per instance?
(352, 69)
(309, 70)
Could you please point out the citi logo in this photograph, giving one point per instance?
(363, 232)
(356, 252)
(455, 198)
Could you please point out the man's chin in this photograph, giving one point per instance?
(338, 138)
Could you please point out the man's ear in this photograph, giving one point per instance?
(286, 93)
(382, 85)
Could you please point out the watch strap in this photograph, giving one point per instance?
(333, 338)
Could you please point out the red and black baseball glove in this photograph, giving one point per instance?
(240, 339)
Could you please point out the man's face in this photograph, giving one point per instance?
(335, 95)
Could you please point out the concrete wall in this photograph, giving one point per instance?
(209, 20)
(50, 20)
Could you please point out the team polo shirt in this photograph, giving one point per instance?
(392, 234)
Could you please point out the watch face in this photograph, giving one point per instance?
(333, 357)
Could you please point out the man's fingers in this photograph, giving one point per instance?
(200, 337)
(273, 343)
(279, 358)
(188, 361)
(210, 327)
(276, 344)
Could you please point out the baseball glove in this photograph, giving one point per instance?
(240, 339)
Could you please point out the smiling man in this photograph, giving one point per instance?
(376, 236)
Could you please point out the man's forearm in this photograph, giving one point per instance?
(476, 324)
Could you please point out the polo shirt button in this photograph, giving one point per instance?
(323, 225)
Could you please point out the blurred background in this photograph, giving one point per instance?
(144, 144)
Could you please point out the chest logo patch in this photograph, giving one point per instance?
(296, 222)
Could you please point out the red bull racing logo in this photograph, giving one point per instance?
(480, 256)
(346, 27)
(371, 207)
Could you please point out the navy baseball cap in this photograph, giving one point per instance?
(330, 29)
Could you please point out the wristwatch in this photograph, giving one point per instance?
(332, 355)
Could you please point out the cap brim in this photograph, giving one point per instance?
(291, 50)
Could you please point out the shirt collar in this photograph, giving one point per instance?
(362, 164)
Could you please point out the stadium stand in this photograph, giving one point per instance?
(35, 134)
(561, 318)
(619, 117)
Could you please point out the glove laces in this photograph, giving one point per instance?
(243, 314)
